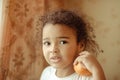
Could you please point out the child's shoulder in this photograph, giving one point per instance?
(47, 73)
(49, 69)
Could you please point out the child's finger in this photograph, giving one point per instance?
(84, 53)
(77, 60)
(81, 58)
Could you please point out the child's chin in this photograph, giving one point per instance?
(56, 66)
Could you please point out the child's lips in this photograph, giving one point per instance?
(55, 59)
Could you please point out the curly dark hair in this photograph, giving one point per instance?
(84, 32)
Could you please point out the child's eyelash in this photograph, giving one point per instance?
(46, 43)
(63, 42)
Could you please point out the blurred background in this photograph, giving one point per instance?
(20, 34)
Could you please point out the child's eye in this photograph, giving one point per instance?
(63, 42)
(47, 43)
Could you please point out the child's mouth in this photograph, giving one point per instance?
(55, 59)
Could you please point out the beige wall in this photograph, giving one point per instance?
(20, 55)
(22, 58)
(104, 15)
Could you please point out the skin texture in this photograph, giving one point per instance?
(60, 41)
(60, 49)
(90, 62)
(81, 70)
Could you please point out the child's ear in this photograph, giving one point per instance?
(81, 46)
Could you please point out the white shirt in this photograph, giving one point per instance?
(49, 74)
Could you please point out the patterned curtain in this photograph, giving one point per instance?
(21, 56)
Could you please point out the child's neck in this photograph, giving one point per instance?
(64, 71)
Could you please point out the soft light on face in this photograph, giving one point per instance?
(59, 45)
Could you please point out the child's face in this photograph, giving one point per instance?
(59, 45)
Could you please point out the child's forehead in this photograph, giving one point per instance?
(57, 30)
(59, 26)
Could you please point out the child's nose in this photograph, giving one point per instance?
(54, 48)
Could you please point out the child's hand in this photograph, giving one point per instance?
(87, 60)
(90, 62)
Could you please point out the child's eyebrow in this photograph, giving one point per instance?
(57, 37)
(64, 37)
(45, 38)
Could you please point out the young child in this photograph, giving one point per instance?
(66, 41)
